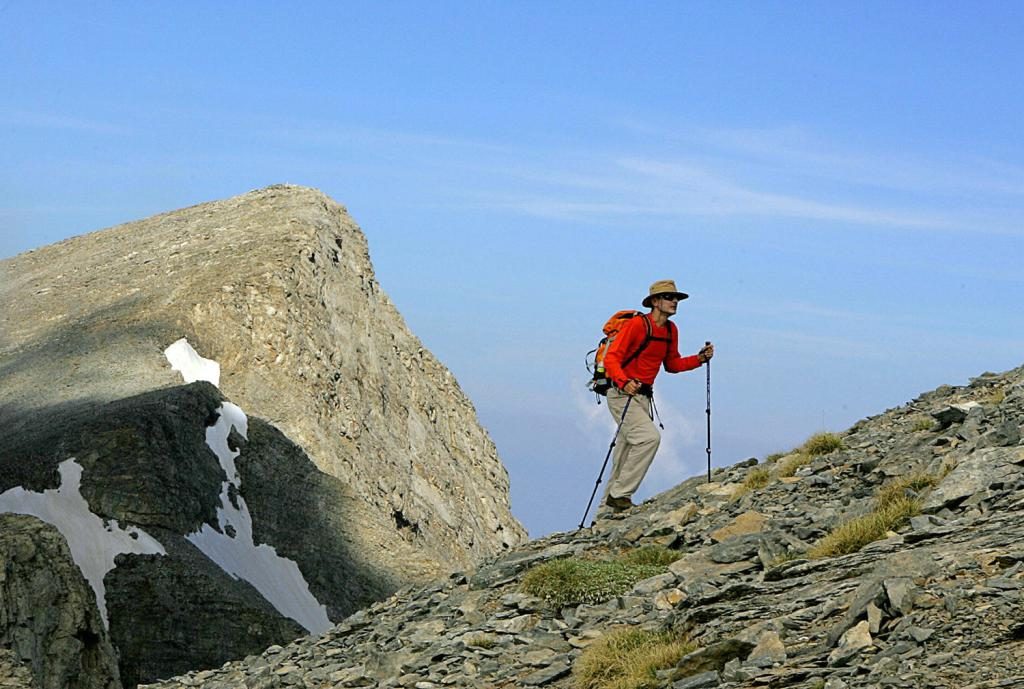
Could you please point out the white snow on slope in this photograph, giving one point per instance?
(192, 367)
(93, 544)
(278, 579)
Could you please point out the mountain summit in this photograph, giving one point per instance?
(226, 418)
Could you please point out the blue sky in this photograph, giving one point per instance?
(839, 186)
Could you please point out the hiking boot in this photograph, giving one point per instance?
(618, 504)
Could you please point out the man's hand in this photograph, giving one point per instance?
(632, 387)
(706, 352)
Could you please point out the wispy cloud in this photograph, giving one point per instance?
(646, 187)
(776, 174)
(776, 310)
(798, 150)
(705, 192)
(678, 457)
(781, 174)
(592, 420)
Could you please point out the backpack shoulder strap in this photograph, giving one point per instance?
(672, 337)
(647, 339)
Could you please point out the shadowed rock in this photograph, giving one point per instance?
(48, 612)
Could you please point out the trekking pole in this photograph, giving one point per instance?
(708, 364)
(603, 466)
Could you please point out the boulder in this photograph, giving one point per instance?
(953, 413)
(976, 473)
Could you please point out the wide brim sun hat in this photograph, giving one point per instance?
(663, 287)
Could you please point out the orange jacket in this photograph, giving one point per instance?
(645, 367)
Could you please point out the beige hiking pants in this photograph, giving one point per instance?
(635, 445)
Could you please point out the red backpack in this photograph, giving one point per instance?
(599, 382)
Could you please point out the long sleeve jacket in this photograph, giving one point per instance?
(662, 349)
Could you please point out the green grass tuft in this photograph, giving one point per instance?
(822, 444)
(574, 580)
(757, 477)
(629, 659)
(815, 446)
(653, 555)
(785, 557)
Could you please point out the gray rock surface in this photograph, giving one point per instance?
(937, 603)
(13, 673)
(51, 633)
(146, 463)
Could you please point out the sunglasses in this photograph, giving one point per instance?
(670, 297)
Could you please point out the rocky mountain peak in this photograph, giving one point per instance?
(227, 392)
(276, 286)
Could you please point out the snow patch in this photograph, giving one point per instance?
(186, 360)
(93, 543)
(231, 545)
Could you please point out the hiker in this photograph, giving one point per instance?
(638, 439)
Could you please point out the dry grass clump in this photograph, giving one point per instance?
(785, 557)
(897, 488)
(481, 640)
(757, 477)
(857, 533)
(788, 465)
(923, 423)
(822, 444)
(629, 659)
(815, 446)
(893, 508)
(946, 469)
(575, 580)
(774, 457)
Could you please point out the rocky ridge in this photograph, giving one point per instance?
(315, 461)
(938, 603)
(277, 287)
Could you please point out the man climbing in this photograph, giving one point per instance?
(632, 362)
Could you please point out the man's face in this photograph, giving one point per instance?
(667, 303)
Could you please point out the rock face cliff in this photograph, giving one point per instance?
(933, 599)
(230, 425)
(49, 622)
(277, 287)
